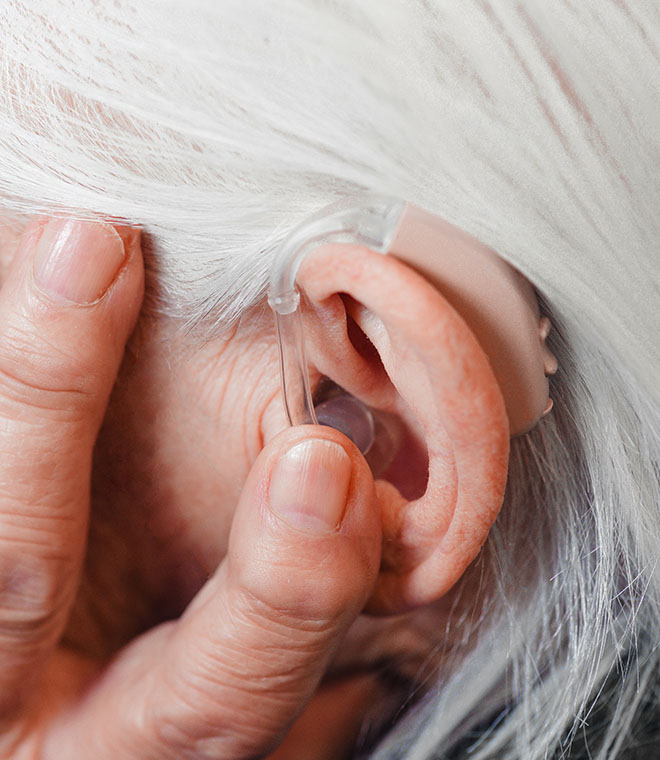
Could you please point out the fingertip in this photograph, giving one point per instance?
(63, 258)
(69, 303)
(308, 509)
(75, 262)
(316, 479)
(309, 485)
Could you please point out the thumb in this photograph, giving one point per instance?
(228, 679)
(303, 558)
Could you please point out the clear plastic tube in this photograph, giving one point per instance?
(370, 220)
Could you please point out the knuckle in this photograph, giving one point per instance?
(37, 373)
(31, 598)
(193, 724)
(169, 731)
(180, 723)
(299, 594)
(300, 610)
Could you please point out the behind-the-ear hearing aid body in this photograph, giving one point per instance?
(468, 271)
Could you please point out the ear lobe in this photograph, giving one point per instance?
(430, 361)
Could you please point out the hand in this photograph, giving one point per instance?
(227, 679)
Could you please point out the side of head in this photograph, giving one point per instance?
(215, 154)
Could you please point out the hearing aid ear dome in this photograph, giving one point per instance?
(351, 417)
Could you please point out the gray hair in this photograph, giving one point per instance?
(535, 127)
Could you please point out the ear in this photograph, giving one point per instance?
(381, 331)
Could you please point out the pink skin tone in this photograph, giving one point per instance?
(497, 303)
(443, 377)
(194, 438)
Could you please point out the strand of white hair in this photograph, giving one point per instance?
(534, 126)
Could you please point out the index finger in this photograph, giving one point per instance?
(68, 305)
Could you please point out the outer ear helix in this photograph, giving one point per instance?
(444, 379)
(429, 541)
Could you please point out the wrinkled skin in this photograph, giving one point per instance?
(242, 609)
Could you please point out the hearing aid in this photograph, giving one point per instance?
(387, 225)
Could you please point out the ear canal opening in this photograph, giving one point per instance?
(407, 466)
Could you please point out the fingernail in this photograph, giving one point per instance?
(77, 261)
(309, 485)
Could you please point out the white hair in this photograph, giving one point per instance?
(535, 126)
